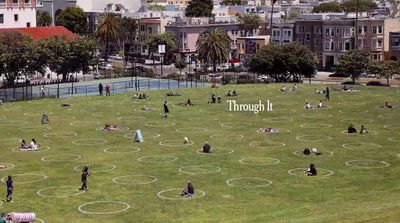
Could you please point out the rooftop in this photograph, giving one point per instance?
(40, 33)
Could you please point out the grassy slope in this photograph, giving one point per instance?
(350, 195)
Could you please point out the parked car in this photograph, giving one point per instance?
(236, 69)
(105, 66)
(116, 57)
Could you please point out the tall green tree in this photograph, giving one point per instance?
(300, 62)
(199, 8)
(249, 22)
(214, 46)
(180, 65)
(354, 63)
(232, 2)
(168, 39)
(43, 18)
(74, 19)
(358, 5)
(390, 68)
(327, 7)
(127, 35)
(15, 53)
(109, 31)
(58, 55)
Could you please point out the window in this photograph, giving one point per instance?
(317, 30)
(338, 31)
(347, 32)
(347, 46)
(2, 2)
(374, 29)
(380, 29)
(28, 24)
(317, 42)
(327, 32)
(289, 33)
(379, 43)
(1, 18)
(395, 42)
(27, 1)
(15, 1)
(15, 17)
(327, 46)
(365, 29)
(273, 33)
(308, 36)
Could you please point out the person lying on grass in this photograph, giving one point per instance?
(268, 130)
(187, 103)
(283, 89)
(315, 151)
(388, 105)
(309, 106)
(206, 148)
(320, 104)
(351, 129)
(363, 130)
(170, 94)
(189, 190)
(146, 109)
(111, 127)
(311, 171)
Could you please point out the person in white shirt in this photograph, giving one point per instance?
(308, 106)
(34, 145)
(320, 104)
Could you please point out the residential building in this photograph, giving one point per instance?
(17, 13)
(187, 32)
(394, 46)
(147, 28)
(282, 33)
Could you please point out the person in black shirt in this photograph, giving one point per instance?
(213, 99)
(189, 190)
(206, 148)
(327, 93)
(10, 189)
(311, 171)
(84, 175)
(100, 89)
(351, 129)
(166, 110)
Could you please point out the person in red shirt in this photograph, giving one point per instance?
(108, 90)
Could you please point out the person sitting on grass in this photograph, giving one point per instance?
(135, 96)
(234, 93)
(3, 218)
(23, 145)
(308, 106)
(316, 151)
(306, 152)
(229, 93)
(65, 105)
(189, 190)
(170, 94)
(111, 127)
(206, 148)
(320, 104)
(268, 130)
(185, 140)
(351, 129)
(318, 91)
(213, 99)
(219, 100)
(283, 89)
(294, 88)
(388, 105)
(34, 145)
(189, 103)
(363, 130)
(312, 171)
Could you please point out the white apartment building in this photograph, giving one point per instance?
(282, 33)
(17, 13)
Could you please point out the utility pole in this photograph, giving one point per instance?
(356, 26)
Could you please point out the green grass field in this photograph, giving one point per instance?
(359, 191)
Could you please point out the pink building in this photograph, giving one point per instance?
(188, 31)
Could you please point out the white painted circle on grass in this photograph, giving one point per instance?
(359, 121)
(352, 103)
(61, 158)
(323, 154)
(367, 164)
(361, 146)
(315, 125)
(155, 124)
(120, 129)
(177, 194)
(354, 111)
(40, 220)
(41, 149)
(301, 172)
(285, 110)
(135, 179)
(216, 151)
(145, 135)
(103, 167)
(60, 135)
(129, 149)
(89, 142)
(6, 166)
(390, 116)
(317, 115)
(259, 161)
(313, 138)
(34, 128)
(394, 139)
(250, 182)
(235, 124)
(278, 119)
(13, 122)
(267, 144)
(392, 126)
(157, 159)
(192, 129)
(175, 143)
(84, 123)
(15, 176)
(200, 169)
(81, 207)
(73, 191)
(227, 136)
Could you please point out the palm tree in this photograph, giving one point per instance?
(272, 16)
(108, 31)
(43, 18)
(215, 46)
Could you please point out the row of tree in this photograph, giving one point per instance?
(345, 6)
(21, 56)
(289, 62)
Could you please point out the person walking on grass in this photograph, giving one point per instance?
(84, 175)
(166, 110)
(327, 96)
(100, 89)
(108, 88)
(10, 189)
